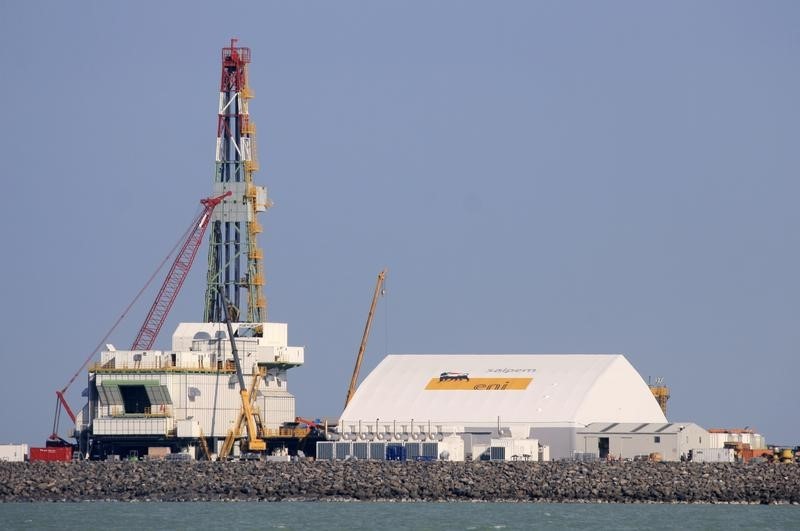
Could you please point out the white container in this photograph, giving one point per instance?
(13, 452)
(188, 429)
(544, 453)
(452, 447)
(712, 455)
(518, 449)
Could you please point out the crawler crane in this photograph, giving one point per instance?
(159, 311)
(247, 415)
(360, 356)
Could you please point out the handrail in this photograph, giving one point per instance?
(102, 368)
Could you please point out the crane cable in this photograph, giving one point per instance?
(132, 303)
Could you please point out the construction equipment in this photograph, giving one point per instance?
(254, 441)
(177, 274)
(61, 402)
(227, 446)
(660, 392)
(363, 347)
(189, 243)
(204, 445)
(310, 423)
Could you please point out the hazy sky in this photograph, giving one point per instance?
(539, 177)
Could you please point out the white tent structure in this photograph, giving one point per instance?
(546, 397)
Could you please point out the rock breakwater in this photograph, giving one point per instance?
(625, 482)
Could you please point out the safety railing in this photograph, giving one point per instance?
(254, 227)
(157, 411)
(225, 367)
(285, 432)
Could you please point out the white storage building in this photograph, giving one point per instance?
(544, 397)
(670, 440)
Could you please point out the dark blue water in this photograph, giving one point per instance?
(392, 516)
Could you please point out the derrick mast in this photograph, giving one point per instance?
(235, 260)
(151, 402)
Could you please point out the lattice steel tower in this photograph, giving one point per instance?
(235, 260)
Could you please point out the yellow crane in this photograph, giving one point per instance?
(360, 357)
(234, 432)
(254, 442)
(204, 445)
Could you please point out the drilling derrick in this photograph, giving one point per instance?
(235, 260)
(152, 402)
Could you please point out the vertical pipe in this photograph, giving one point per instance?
(233, 276)
(226, 287)
(237, 271)
(218, 279)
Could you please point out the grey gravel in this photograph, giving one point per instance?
(625, 482)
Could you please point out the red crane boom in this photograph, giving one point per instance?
(177, 274)
(158, 312)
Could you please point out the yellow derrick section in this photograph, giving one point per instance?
(661, 393)
(257, 301)
(254, 227)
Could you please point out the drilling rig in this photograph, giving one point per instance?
(185, 398)
(235, 261)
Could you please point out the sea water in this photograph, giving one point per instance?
(392, 516)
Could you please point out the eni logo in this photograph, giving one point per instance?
(477, 384)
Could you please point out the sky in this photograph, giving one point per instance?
(538, 177)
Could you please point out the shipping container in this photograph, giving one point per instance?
(749, 453)
(158, 452)
(396, 452)
(324, 450)
(413, 450)
(377, 450)
(712, 455)
(52, 453)
(360, 450)
(342, 450)
(497, 453)
(430, 450)
(13, 452)
(451, 448)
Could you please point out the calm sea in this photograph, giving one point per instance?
(392, 516)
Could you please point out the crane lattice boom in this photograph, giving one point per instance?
(363, 347)
(177, 274)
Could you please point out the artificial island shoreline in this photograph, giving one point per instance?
(563, 481)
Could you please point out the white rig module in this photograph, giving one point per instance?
(154, 398)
